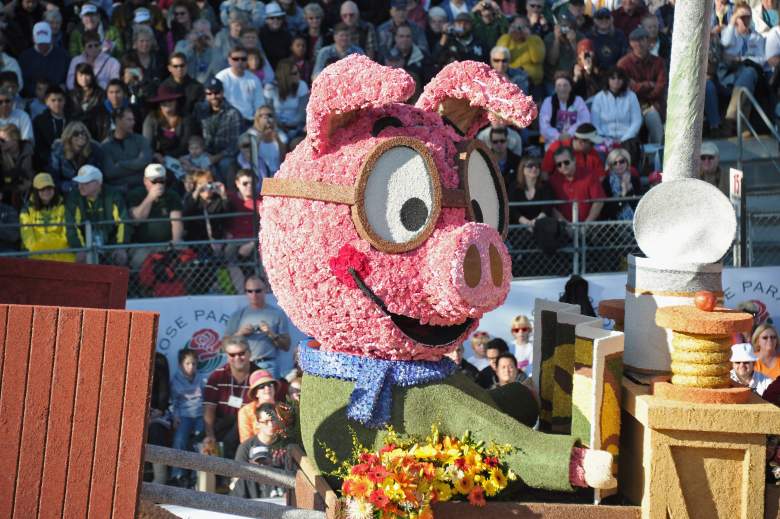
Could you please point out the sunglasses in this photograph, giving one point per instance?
(618, 162)
(239, 58)
(79, 133)
(500, 141)
(238, 354)
(494, 60)
(265, 385)
(562, 163)
(707, 157)
(521, 329)
(5, 101)
(158, 181)
(254, 290)
(533, 165)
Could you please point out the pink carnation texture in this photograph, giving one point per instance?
(484, 88)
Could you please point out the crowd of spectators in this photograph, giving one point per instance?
(215, 92)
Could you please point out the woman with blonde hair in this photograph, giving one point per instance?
(75, 148)
(619, 182)
(764, 342)
(524, 348)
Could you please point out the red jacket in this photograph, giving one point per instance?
(647, 78)
(584, 186)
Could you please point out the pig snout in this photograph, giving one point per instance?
(477, 279)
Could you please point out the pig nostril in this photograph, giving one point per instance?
(496, 266)
(472, 267)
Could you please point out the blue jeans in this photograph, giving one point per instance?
(181, 438)
(269, 365)
(746, 77)
(711, 106)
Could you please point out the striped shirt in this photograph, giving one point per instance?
(221, 385)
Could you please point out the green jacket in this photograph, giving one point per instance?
(108, 208)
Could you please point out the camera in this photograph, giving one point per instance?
(259, 454)
(210, 186)
(565, 29)
(455, 31)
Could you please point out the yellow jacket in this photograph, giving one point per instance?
(528, 55)
(51, 236)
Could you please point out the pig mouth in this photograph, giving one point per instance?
(425, 334)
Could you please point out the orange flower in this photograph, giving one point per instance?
(477, 496)
(356, 487)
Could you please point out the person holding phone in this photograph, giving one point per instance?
(587, 76)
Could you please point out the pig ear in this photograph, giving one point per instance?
(467, 94)
(349, 85)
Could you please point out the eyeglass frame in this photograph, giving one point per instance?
(354, 195)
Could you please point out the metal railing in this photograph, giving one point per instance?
(743, 118)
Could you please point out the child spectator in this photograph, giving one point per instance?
(524, 348)
(187, 389)
(262, 390)
(197, 157)
(45, 215)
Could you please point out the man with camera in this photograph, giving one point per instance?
(264, 327)
(151, 202)
(458, 43)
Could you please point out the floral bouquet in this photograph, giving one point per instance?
(407, 476)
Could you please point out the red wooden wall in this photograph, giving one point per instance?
(74, 397)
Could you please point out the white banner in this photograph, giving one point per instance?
(199, 321)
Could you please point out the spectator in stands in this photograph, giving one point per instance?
(721, 15)
(126, 153)
(508, 162)
(616, 113)
(528, 186)
(363, 33)
(275, 35)
(263, 448)
(226, 391)
(14, 116)
(181, 82)
(7, 62)
(54, 18)
(243, 200)
(43, 60)
(743, 53)
(459, 43)
(154, 201)
(765, 16)
(647, 78)
(20, 32)
(710, 170)
(90, 20)
(562, 112)
(410, 57)
(665, 14)
(197, 158)
(526, 50)
(253, 163)
(524, 349)
(437, 23)
(253, 10)
(258, 65)
(209, 199)
(44, 213)
(146, 52)
(263, 388)
(506, 370)
(100, 205)
(203, 59)
(187, 388)
(764, 342)
(9, 227)
(619, 182)
(455, 7)
(15, 164)
(166, 128)
(493, 349)
(583, 143)
(743, 372)
(34, 106)
(461, 364)
(241, 89)
(587, 76)
(610, 44)
(184, 13)
(659, 43)
(271, 143)
(159, 420)
(264, 327)
(538, 20)
(499, 61)
(478, 342)
(399, 16)
(72, 151)
(341, 48)
(48, 126)
(313, 14)
(104, 66)
(575, 184)
(629, 15)
(222, 125)
(489, 22)
(87, 98)
(561, 49)
(288, 98)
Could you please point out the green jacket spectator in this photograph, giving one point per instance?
(96, 203)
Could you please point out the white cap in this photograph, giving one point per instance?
(88, 174)
(743, 352)
(154, 171)
(142, 15)
(42, 32)
(88, 9)
(273, 10)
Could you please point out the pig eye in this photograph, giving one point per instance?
(398, 196)
(484, 186)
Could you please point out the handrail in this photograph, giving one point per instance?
(742, 91)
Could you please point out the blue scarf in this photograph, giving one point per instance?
(371, 401)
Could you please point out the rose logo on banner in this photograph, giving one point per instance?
(206, 342)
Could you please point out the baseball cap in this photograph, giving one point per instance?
(42, 180)
(154, 171)
(273, 10)
(88, 9)
(742, 352)
(587, 131)
(88, 174)
(709, 148)
(638, 33)
(214, 85)
(585, 45)
(463, 17)
(42, 32)
(602, 13)
(142, 15)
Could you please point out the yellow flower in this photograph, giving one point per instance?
(499, 477)
(425, 452)
(443, 491)
(464, 484)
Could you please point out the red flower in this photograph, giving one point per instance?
(491, 461)
(369, 458)
(377, 474)
(378, 498)
(361, 469)
(349, 258)
(461, 463)
(387, 448)
(477, 496)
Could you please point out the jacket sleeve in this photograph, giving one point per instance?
(72, 219)
(636, 117)
(119, 215)
(595, 112)
(549, 132)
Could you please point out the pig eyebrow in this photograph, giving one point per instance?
(339, 194)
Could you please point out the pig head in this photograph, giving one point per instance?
(382, 233)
